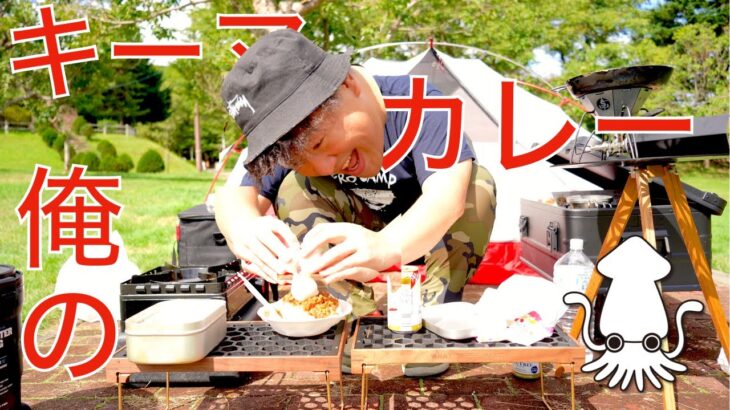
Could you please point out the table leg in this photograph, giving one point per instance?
(342, 394)
(167, 390)
(572, 386)
(364, 388)
(688, 229)
(542, 390)
(329, 391)
(120, 400)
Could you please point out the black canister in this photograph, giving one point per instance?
(11, 360)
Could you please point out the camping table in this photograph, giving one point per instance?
(375, 344)
(250, 346)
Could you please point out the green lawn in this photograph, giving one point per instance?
(135, 147)
(147, 223)
(718, 183)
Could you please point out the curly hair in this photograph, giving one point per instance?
(289, 150)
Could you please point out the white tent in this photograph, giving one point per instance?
(479, 86)
(536, 121)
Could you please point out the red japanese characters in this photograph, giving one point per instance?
(253, 21)
(54, 59)
(416, 104)
(50, 360)
(74, 222)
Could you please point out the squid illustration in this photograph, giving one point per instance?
(634, 318)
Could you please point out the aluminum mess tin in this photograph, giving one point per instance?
(453, 321)
(176, 331)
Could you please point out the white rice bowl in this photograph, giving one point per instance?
(297, 322)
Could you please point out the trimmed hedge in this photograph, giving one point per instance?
(121, 163)
(88, 158)
(125, 162)
(106, 149)
(151, 161)
(49, 135)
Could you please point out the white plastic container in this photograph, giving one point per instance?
(176, 331)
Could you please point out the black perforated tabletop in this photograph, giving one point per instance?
(254, 346)
(374, 334)
(376, 344)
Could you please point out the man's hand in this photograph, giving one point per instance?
(359, 253)
(266, 247)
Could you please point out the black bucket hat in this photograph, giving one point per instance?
(277, 83)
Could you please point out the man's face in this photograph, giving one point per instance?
(349, 140)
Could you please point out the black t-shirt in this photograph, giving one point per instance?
(390, 194)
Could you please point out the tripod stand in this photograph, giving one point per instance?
(637, 189)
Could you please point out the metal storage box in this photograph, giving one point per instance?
(547, 229)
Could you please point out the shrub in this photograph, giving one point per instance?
(151, 161)
(77, 124)
(108, 163)
(48, 135)
(17, 114)
(125, 163)
(121, 163)
(58, 143)
(87, 130)
(88, 158)
(106, 148)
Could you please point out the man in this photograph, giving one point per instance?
(305, 110)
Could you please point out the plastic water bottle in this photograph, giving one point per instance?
(572, 273)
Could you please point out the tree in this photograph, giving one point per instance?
(95, 86)
(699, 84)
(134, 94)
(671, 15)
(30, 90)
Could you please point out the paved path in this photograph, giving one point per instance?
(491, 386)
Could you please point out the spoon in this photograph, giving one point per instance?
(251, 288)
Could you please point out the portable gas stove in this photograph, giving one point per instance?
(621, 92)
(187, 282)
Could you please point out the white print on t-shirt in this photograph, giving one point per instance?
(382, 177)
(375, 199)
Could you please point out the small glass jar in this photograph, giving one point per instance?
(404, 300)
(526, 370)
